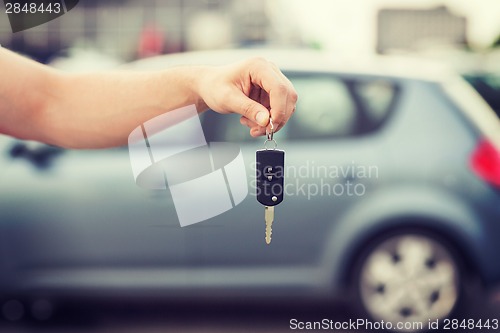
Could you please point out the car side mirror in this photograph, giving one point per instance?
(38, 154)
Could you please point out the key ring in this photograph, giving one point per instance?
(273, 141)
(271, 133)
(269, 136)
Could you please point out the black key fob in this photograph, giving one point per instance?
(270, 171)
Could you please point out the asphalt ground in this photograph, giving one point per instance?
(156, 317)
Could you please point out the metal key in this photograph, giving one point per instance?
(269, 218)
(270, 179)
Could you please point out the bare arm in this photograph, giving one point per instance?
(100, 109)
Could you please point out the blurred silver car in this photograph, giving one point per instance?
(391, 202)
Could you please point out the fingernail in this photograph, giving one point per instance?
(261, 118)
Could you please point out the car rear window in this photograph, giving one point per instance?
(488, 86)
(474, 108)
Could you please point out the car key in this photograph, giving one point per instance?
(270, 179)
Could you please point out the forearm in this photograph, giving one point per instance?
(101, 109)
(25, 88)
(87, 110)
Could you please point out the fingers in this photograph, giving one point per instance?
(256, 89)
(255, 129)
(282, 95)
(248, 108)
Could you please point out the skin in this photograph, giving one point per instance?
(99, 110)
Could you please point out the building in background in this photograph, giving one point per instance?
(415, 29)
(123, 28)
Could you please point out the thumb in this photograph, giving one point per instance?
(248, 108)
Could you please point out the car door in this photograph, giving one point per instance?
(83, 211)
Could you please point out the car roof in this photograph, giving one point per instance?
(307, 60)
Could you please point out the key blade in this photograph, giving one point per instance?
(269, 214)
(269, 218)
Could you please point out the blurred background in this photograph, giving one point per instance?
(127, 30)
(461, 35)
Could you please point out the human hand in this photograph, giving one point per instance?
(254, 88)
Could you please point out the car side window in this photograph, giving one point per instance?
(335, 106)
(224, 127)
(376, 97)
(325, 108)
(329, 106)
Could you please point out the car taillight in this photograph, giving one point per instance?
(485, 162)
